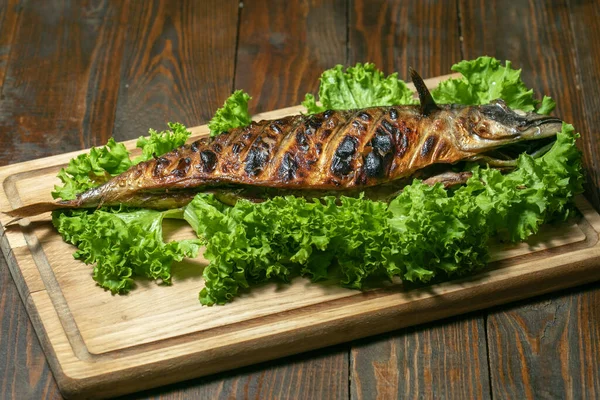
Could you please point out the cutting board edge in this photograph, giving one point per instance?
(345, 329)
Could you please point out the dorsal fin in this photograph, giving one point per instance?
(427, 104)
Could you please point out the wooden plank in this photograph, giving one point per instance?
(583, 19)
(24, 372)
(9, 14)
(585, 23)
(424, 35)
(68, 52)
(397, 35)
(545, 347)
(285, 46)
(299, 377)
(178, 64)
(279, 59)
(445, 360)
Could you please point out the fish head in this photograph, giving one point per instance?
(497, 124)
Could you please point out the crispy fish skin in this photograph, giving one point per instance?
(331, 151)
(334, 150)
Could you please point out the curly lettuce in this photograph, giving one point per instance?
(102, 163)
(358, 87)
(485, 79)
(159, 143)
(233, 114)
(123, 244)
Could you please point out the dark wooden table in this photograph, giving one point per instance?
(74, 73)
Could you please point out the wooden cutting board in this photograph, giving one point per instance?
(102, 345)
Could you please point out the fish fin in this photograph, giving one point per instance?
(37, 208)
(427, 103)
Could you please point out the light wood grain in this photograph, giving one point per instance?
(101, 345)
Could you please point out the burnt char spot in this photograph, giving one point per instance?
(217, 148)
(403, 145)
(247, 135)
(209, 160)
(237, 147)
(288, 168)
(382, 143)
(340, 166)
(388, 127)
(182, 167)
(256, 160)
(314, 123)
(347, 147)
(373, 165)
(194, 146)
(364, 116)
(401, 137)
(393, 114)
(161, 163)
(302, 141)
(275, 128)
(325, 134)
(427, 146)
(327, 114)
(319, 148)
(341, 163)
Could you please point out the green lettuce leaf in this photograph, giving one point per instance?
(123, 244)
(284, 237)
(102, 163)
(425, 232)
(358, 87)
(539, 190)
(485, 79)
(233, 114)
(159, 143)
(92, 169)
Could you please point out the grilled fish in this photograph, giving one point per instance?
(331, 152)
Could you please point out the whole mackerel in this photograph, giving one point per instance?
(334, 151)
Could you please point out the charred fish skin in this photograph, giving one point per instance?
(334, 150)
(341, 151)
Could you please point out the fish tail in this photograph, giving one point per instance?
(39, 208)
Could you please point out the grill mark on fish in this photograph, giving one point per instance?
(373, 165)
(249, 141)
(161, 164)
(256, 159)
(364, 116)
(209, 161)
(326, 151)
(427, 146)
(365, 147)
(182, 167)
(285, 143)
(387, 126)
(287, 168)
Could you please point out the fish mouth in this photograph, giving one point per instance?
(540, 127)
